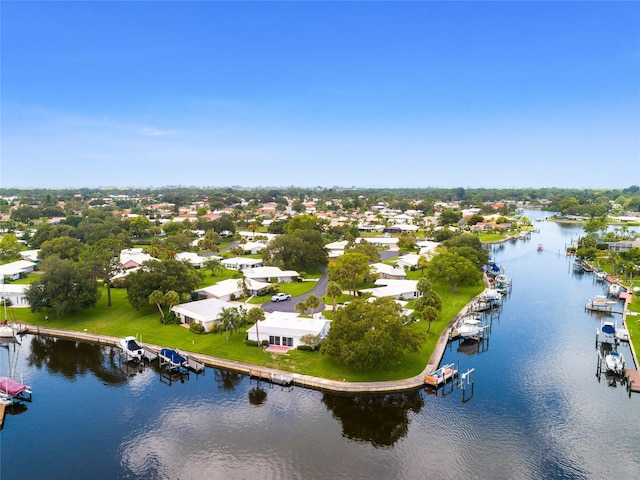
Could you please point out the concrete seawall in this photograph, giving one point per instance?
(297, 379)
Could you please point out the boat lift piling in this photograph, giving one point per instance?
(467, 379)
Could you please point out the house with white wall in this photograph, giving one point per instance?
(287, 328)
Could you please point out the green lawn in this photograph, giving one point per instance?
(121, 320)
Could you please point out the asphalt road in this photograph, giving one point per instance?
(288, 305)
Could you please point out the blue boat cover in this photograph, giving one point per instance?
(608, 329)
(173, 356)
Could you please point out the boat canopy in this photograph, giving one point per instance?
(608, 329)
(11, 387)
(173, 356)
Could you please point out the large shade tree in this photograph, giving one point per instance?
(453, 269)
(349, 269)
(370, 334)
(163, 275)
(65, 287)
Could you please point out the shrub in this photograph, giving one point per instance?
(306, 348)
(265, 343)
(251, 343)
(196, 328)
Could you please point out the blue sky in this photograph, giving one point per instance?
(366, 94)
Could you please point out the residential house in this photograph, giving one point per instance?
(15, 293)
(192, 258)
(382, 270)
(398, 289)
(241, 263)
(271, 274)
(287, 328)
(232, 289)
(410, 261)
(205, 312)
(16, 270)
(133, 257)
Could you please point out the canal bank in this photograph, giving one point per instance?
(283, 376)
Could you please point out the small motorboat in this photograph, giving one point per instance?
(470, 326)
(614, 362)
(172, 358)
(6, 330)
(608, 330)
(614, 290)
(132, 348)
(600, 303)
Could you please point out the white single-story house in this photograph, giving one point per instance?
(30, 255)
(193, 259)
(336, 249)
(382, 270)
(15, 293)
(205, 312)
(15, 270)
(253, 236)
(398, 289)
(241, 263)
(133, 257)
(253, 248)
(410, 260)
(286, 328)
(427, 248)
(382, 241)
(231, 289)
(271, 274)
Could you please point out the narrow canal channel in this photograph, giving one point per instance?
(538, 410)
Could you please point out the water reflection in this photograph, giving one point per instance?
(381, 420)
(227, 380)
(74, 359)
(257, 395)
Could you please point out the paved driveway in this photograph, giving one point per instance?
(287, 305)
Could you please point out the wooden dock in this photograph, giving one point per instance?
(633, 380)
(194, 365)
(277, 378)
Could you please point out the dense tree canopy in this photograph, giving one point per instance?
(64, 288)
(454, 269)
(349, 269)
(299, 251)
(370, 334)
(164, 275)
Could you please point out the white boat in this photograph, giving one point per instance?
(600, 276)
(608, 332)
(6, 330)
(600, 303)
(132, 349)
(614, 290)
(470, 326)
(614, 362)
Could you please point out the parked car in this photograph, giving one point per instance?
(279, 297)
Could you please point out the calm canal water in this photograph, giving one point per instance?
(538, 410)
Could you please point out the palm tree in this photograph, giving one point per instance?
(243, 283)
(157, 298)
(334, 291)
(300, 307)
(255, 315)
(312, 302)
(227, 318)
(215, 266)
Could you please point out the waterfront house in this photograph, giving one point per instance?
(287, 328)
(398, 289)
